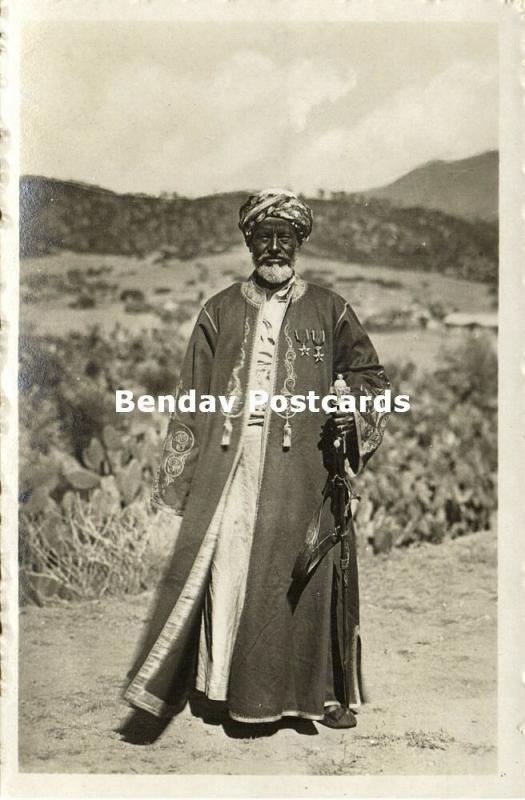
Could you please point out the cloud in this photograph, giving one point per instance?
(285, 92)
(200, 129)
(247, 84)
(452, 116)
(148, 124)
(155, 113)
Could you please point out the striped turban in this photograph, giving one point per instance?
(276, 203)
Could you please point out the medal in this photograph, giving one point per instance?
(304, 349)
(318, 341)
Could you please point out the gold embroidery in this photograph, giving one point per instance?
(234, 388)
(289, 359)
(179, 443)
(371, 431)
(288, 388)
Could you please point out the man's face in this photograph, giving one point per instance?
(273, 246)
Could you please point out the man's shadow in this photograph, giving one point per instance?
(215, 713)
(142, 728)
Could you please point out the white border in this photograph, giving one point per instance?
(509, 782)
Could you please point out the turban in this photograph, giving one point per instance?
(275, 203)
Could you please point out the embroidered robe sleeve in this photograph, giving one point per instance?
(356, 359)
(182, 444)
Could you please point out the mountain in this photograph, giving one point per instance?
(369, 229)
(467, 188)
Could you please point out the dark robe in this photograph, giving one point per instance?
(287, 649)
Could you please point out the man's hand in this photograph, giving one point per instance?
(343, 422)
(338, 426)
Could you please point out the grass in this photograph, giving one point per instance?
(429, 740)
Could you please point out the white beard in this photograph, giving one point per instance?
(275, 273)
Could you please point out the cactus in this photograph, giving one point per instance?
(115, 460)
(64, 462)
(82, 479)
(110, 488)
(104, 503)
(39, 502)
(129, 481)
(94, 456)
(41, 475)
(68, 501)
(145, 452)
(112, 439)
(61, 475)
(37, 482)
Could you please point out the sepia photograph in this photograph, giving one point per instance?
(259, 288)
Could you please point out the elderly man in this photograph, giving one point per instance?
(230, 620)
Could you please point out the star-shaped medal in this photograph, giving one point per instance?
(318, 356)
(304, 350)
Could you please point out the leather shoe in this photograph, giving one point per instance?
(339, 718)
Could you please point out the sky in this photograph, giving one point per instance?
(201, 107)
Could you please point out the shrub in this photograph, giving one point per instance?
(84, 301)
(351, 228)
(85, 473)
(435, 475)
(113, 472)
(83, 552)
(67, 385)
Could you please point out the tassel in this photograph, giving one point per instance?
(226, 433)
(287, 436)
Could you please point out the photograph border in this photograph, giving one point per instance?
(508, 782)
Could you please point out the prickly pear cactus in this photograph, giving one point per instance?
(129, 481)
(94, 457)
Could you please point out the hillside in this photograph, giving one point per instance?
(467, 188)
(67, 215)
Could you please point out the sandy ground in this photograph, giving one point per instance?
(429, 627)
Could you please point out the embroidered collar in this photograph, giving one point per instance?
(255, 294)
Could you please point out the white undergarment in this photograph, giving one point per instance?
(229, 571)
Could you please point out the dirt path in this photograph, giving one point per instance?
(429, 627)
